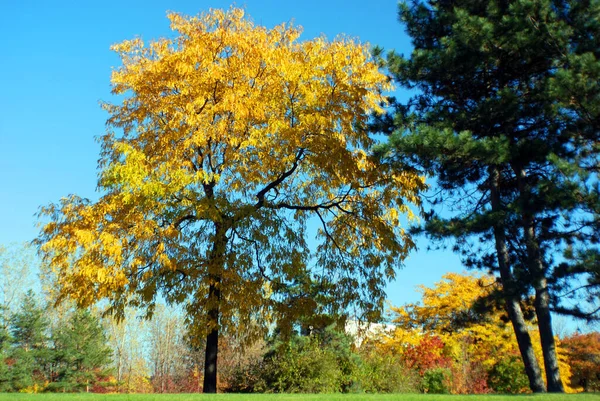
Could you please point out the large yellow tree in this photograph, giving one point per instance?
(228, 141)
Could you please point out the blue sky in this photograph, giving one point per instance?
(55, 67)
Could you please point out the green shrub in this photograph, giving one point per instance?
(300, 366)
(379, 373)
(435, 381)
(322, 362)
(508, 376)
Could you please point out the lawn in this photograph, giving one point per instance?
(295, 397)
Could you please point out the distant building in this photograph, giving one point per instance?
(361, 331)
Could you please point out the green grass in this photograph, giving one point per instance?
(295, 397)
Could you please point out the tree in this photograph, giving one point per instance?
(5, 376)
(454, 313)
(583, 352)
(82, 354)
(454, 319)
(126, 340)
(167, 349)
(230, 140)
(30, 351)
(450, 306)
(15, 277)
(506, 148)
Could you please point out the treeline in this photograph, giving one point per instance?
(447, 343)
(68, 352)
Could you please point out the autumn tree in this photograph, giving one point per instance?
(167, 349)
(126, 340)
(460, 313)
(583, 352)
(454, 312)
(449, 306)
(497, 121)
(228, 143)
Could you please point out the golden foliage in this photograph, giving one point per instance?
(230, 141)
(447, 311)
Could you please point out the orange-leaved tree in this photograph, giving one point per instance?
(228, 144)
(583, 353)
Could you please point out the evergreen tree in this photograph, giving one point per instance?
(5, 341)
(82, 352)
(30, 352)
(495, 122)
(29, 325)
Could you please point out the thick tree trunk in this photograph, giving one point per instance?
(216, 266)
(535, 266)
(511, 298)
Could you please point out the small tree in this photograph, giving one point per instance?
(126, 339)
(5, 342)
(81, 352)
(30, 353)
(15, 277)
(167, 350)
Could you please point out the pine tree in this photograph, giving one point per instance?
(82, 353)
(30, 345)
(5, 341)
(498, 123)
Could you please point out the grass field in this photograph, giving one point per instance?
(295, 397)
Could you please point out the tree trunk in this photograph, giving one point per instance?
(532, 367)
(535, 266)
(542, 311)
(212, 348)
(511, 298)
(216, 266)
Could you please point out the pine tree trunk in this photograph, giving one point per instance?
(214, 296)
(542, 311)
(532, 367)
(542, 298)
(513, 308)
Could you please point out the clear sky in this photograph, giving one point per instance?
(55, 66)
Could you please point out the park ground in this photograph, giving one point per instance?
(295, 397)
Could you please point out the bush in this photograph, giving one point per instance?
(300, 366)
(245, 378)
(325, 361)
(319, 363)
(508, 376)
(469, 378)
(436, 381)
(381, 373)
